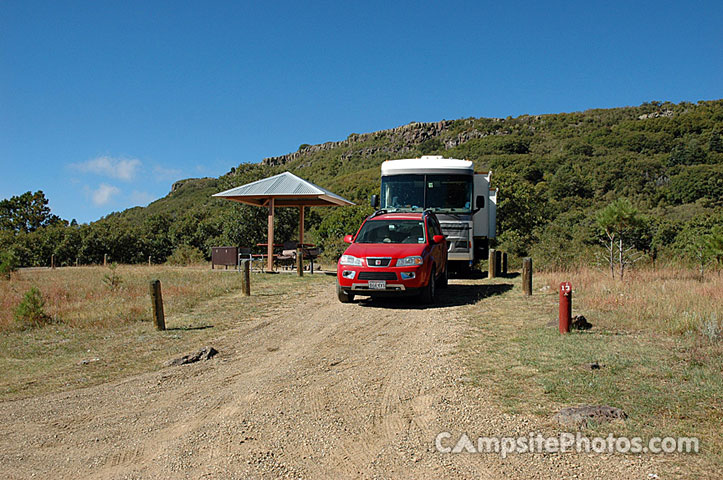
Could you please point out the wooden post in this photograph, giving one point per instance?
(492, 267)
(527, 276)
(246, 277)
(105, 259)
(498, 263)
(270, 248)
(301, 225)
(149, 260)
(76, 261)
(52, 261)
(504, 263)
(157, 305)
(300, 261)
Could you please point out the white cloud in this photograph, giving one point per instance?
(120, 168)
(141, 198)
(103, 194)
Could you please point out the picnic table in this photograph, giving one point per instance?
(288, 253)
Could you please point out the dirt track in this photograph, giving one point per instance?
(320, 390)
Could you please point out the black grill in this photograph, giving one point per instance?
(455, 229)
(377, 276)
(383, 262)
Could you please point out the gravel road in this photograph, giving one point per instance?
(318, 389)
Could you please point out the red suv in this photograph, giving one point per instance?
(401, 252)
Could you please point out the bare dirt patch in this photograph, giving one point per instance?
(314, 389)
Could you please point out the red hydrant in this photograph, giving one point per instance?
(565, 307)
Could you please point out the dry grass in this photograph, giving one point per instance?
(101, 334)
(80, 298)
(654, 334)
(671, 301)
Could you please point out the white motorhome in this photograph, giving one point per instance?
(461, 199)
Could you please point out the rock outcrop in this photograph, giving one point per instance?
(397, 140)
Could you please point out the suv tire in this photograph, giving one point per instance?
(428, 292)
(444, 278)
(343, 296)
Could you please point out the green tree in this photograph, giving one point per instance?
(696, 245)
(620, 221)
(155, 237)
(339, 222)
(520, 210)
(715, 144)
(715, 245)
(30, 312)
(698, 181)
(8, 263)
(26, 213)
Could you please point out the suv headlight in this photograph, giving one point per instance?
(409, 261)
(350, 260)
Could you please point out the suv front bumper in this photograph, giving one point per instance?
(397, 284)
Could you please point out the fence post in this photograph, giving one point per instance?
(149, 260)
(105, 259)
(76, 261)
(157, 305)
(492, 267)
(300, 261)
(246, 277)
(504, 263)
(527, 275)
(498, 263)
(52, 261)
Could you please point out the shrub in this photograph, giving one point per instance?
(112, 280)
(30, 312)
(186, 255)
(8, 263)
(710, 328)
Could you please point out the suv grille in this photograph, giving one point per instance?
(377, 276)
(382, 261)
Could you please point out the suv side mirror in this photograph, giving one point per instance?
(480, 201)
(348, 238)
(375, 201)
(438, 239)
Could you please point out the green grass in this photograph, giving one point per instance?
(668, 383)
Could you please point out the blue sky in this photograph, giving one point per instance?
(103, 105)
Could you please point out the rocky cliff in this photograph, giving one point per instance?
(396, 140)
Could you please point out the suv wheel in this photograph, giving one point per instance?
(429, 290)
(444, 278)
(344, 297)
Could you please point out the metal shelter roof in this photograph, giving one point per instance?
(286, 189)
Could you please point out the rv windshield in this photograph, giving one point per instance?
(447, 193)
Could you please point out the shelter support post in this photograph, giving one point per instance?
(270, 248)
(301, 224)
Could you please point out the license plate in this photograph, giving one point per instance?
(377, 284)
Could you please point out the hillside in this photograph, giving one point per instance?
(554, 172)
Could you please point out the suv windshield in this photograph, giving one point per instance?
(392, 231)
